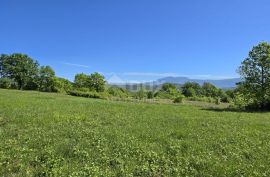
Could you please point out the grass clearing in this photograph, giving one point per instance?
(46, 134)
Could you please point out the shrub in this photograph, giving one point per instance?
(179, 99)
(202, 99)
(150, 95)
(164, 95)
(118, 92)
(141, 94)
(190, 92)
(225, 98)
(100, 95)
(239, 102)
(217, 101)
(61, 85)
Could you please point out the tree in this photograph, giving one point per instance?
(5, 83)
(81, 81)
(61, 85)
(3, 62)
(191, 89)
(168, 87)
(94, 82)
(255, 73)
(209, 90)
(168, 91)
(150, 95)
(97, 82)
(46, 78)
(21, 68)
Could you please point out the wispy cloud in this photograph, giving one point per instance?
(75, 65)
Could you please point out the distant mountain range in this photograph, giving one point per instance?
(222, 83)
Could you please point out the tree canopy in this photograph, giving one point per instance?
(20, 67)
(255, 73)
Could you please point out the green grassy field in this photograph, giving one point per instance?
(44, 134)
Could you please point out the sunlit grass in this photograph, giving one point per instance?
(44, 134)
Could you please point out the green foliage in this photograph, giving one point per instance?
(5, 83)
(118, 92)
(179, 99)
(240, 102)
(150, 95)
(61, 85)
(191, 89)
(81, 81)
(141, 94)
(94, 82)
(202, 99)
(46, 79)
(217, 101)
(209, 90)
(99, 95)
(190, 92)
(97, 82)
(230, 93)
(21, 68)
(45, 134)
(167, 87)
(168, 91)
(255, 72)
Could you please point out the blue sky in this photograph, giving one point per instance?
(136, 40)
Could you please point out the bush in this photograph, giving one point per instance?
(164, 95)
(61, 85)
(150, 95)
(141, 94)
(118, 92)
(100, 95)
(179, 99)
(5, 83)
(217, 101)
(239, 102)
(225, 98)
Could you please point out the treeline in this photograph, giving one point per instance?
(189, 91)
(19, 71)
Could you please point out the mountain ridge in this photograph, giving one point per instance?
(220, 83)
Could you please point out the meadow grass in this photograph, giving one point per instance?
(46, 134)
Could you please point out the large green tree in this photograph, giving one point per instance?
(255, 72)
(97, 82)
(81, 81)
(46, 78)
(94, 82)
(210, 90)
(191, 89)
(21, 68)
